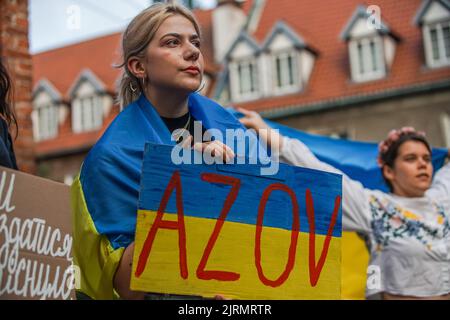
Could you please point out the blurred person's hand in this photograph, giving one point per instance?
(252, 120)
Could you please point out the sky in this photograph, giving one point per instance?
(56, 23)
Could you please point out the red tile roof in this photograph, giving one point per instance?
(320, 23)
(62, 67)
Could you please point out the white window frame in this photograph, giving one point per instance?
(236, 82)
(364, 58)
(445, 124)
(45, 121)
(286, 86)
(87, 113)
(442, 60)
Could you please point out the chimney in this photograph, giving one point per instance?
(227, 22)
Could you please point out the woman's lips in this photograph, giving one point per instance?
(423, 176)
(192, 70)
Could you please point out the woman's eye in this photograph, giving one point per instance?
(172, 42)
(196, 43)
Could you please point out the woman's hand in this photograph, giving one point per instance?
(123, 276)
(216, 149)
(253, 120)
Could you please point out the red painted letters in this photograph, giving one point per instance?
(214, 274)
(235, 183)
(294, 235)
(175, 183)
(314, 270)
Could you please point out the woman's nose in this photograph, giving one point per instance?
(192, 52)
(422, 163)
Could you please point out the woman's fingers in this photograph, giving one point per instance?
(224, 150)
(219, 150)
(248, 122)
(252, 119)
(215, 149)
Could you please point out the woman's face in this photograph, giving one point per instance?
(173, 59)
(412, 172)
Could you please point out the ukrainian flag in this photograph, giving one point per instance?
(105, 194)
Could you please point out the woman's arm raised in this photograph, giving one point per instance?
(355, 197)
(441, 181)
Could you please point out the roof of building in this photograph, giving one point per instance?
(320, 24)
(60, 69)
(315, 24)
(63, 66)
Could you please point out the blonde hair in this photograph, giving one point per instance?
(135, 40)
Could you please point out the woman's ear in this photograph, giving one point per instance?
(136, 67)
(388, 173)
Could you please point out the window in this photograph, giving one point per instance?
(45, 121)
(285, 72)
(87, 114)
(437, 43)
(244, 80)
(366, 59)
(247, 78)
(445, 124)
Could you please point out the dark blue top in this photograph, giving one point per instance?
(7, 157)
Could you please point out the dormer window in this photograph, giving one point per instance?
(247, 78)
(366, 59)
(439, 37)
(88, 113)
(434, 17)
(243, 65)
(285, 71)
(45, 115)
(47, 121)
(87, 103)
(291, 61)
(371, 49)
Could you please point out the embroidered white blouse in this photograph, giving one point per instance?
(409, 238)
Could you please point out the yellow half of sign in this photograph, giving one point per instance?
(234, 251)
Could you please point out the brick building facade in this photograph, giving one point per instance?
(15, 54)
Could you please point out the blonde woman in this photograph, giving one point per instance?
(408, 229)
(163, 68)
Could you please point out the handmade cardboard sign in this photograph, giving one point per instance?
(35, 238)
(225, 229)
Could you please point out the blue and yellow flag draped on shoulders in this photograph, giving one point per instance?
(105, 194)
